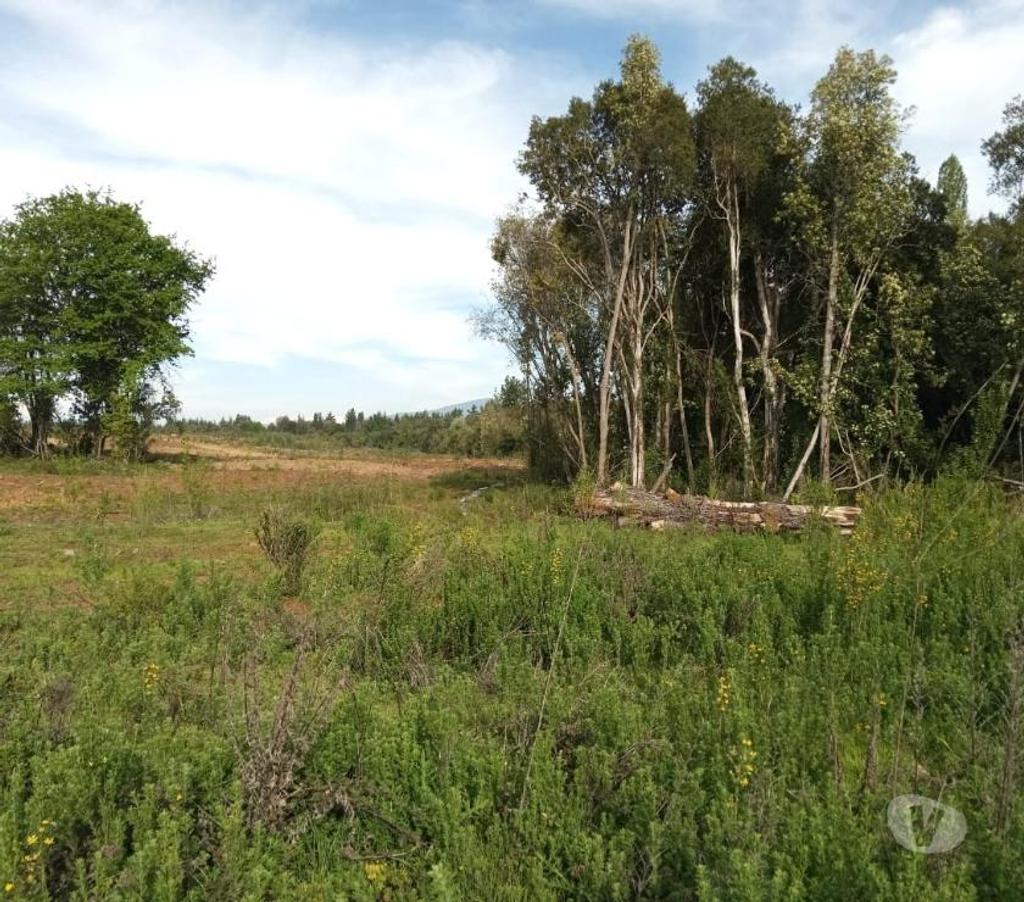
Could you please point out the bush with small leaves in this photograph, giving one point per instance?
(286, 542)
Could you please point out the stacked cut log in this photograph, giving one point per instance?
(635, 507)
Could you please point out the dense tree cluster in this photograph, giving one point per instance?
(736, 294)
(92, 309)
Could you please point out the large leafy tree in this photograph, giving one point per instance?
(544, 315)
(1002, 238)
(851, 205)
(738, 129)
(613, 170)
(92, 307)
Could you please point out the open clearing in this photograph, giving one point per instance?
(197, 502)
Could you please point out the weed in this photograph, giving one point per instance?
(285, 541)
(196, 482)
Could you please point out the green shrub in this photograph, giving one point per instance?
(692, 717)
(196, 483)
(285, 541)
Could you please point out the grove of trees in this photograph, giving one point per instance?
(739, 294)
(92, 310)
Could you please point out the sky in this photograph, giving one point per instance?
(343, 161)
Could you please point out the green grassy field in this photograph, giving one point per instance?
(493, 699)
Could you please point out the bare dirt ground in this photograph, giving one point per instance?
(356, 462)
(236, 466)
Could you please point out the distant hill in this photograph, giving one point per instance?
(464, 406)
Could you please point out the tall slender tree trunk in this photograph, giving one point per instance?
(638, 451)
(577, 392)
(825, 389)
(687, 450)
(666, 429)
(709, 433)
(733, 222)
(604, 389)
(768, 298)
(677, 359)
(40, 414)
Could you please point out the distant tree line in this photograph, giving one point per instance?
(495, 429)
(92, 310)
(736, 294)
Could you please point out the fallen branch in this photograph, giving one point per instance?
(635, 507)
(1012, 485)
(466, 500)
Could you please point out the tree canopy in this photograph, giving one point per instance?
(737, 295)
(93, 307)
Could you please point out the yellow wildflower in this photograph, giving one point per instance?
(556, 566)
(743, 762)
(723, 696)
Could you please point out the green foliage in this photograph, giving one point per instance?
(285, 541)
(952, 185)
(725, 717)
(134, 410)
(11, 428)
(92, 305)
(738, 124)
(196, 481)
(730, 292)
(1005, 152)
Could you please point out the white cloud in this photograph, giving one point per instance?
(347, 192)
(958, 69)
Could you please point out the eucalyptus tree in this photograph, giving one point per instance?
(738, 128)
(545, 316)
(850, 204)
(757, 262)
(776, 266)
(612, 170)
